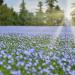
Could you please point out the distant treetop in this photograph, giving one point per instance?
(1, 2)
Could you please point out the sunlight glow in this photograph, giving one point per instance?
(67, 10)
(56, 35)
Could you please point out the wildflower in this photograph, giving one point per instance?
(18, 72)
(31, 50)
(1, 73)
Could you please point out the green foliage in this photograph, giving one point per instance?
(7, 16)
(54, 18)
(73, 67)
(5, 71)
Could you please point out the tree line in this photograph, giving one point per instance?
(52, 16)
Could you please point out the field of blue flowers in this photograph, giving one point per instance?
(36, 55)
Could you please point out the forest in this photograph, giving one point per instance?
(52, 16)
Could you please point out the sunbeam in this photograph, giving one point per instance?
(55, 36)
(67, 10)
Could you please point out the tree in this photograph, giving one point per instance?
(23, 13)
(1, 1)
(40, 4)
(57, 7)
(22, 7)
(50, 4)
(40, 14)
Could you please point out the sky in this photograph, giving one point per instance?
(31, 5)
